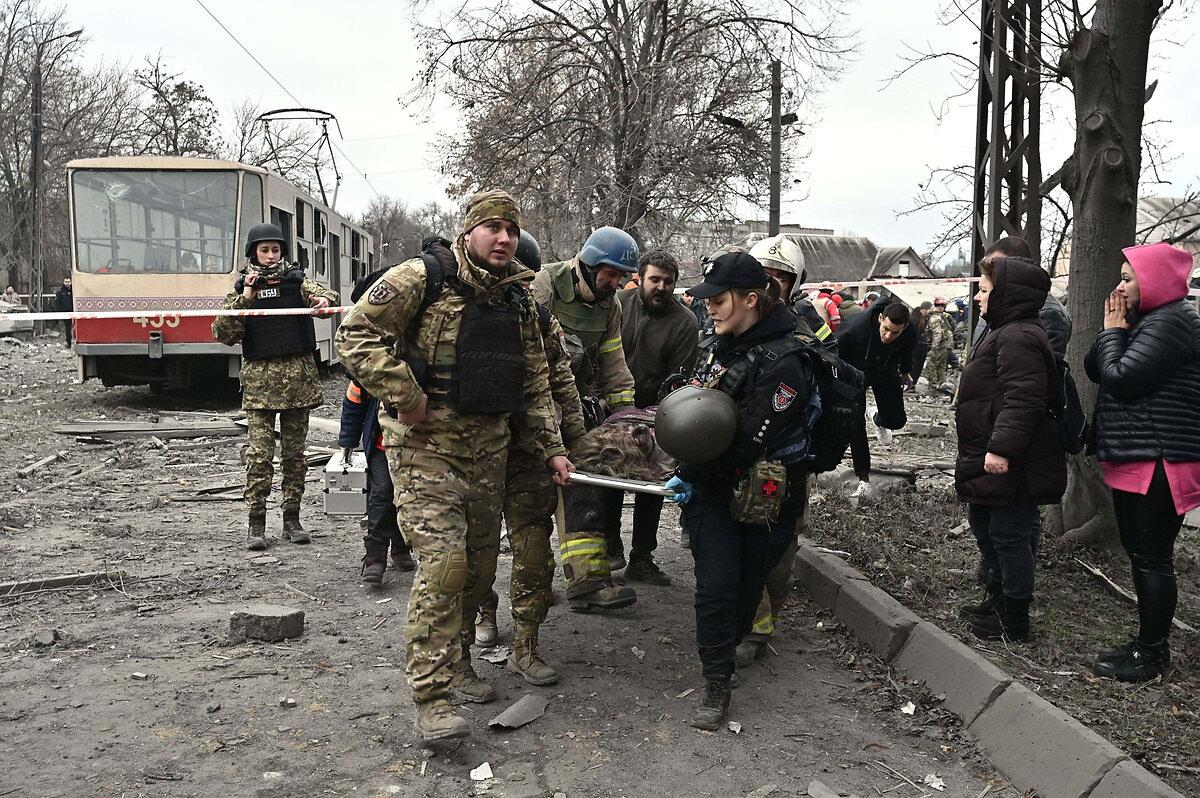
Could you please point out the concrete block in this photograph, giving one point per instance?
(1131, 780)
(822, 575)
(1039, 747)
(874, 617)
(268, 622)
(967, 678)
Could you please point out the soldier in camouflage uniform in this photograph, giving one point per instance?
(530, 499)
(279, 375)
(463, 371)
(941, 341)
(580, 293)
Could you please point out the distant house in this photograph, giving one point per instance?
(1158, 218)
(837, 259)
(899, 262)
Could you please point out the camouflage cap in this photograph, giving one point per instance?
(486, 205)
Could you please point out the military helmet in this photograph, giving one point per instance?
(529, 252)
(265, 232)
(610, 246)
(781, 252)
(695, 425)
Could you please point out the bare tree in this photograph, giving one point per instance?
(177, 117)
(296, 151)
(398, 230)
(645, 115)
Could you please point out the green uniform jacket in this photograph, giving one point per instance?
(656, 346)
(283, 383)
(377, 333)
(560, 287)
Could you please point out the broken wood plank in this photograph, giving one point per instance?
(143, 429)
(1123, 593)
(29, 469)
(207, 497)
(86, 578)
(53, 485)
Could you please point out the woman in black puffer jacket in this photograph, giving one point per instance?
(1147, 426)
(1010, 451)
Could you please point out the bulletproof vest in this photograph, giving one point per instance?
(543, 315)
(487, 376)
(587, 322)
(268, 337)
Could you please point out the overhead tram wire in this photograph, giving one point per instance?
(286, 91)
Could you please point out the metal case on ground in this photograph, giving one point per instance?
(346, 485)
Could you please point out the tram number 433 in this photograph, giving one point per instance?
(156, 322)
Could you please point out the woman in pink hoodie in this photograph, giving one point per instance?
(1146, 361)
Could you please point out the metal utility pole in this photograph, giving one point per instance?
(37, 268)
(1008, 168)
(776, 145)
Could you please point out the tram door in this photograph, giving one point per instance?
(334, 258)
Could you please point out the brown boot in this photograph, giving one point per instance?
(609, 597)
(373, 565)
(525, 661)
(467, 686)
(291, 527)
(256, 533)
(486, 631)
(437, 721)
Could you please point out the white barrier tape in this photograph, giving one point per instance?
(179, 314)
(891, 281)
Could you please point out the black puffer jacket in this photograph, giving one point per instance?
(1149, 377)
(1003, 400)
(860, 346)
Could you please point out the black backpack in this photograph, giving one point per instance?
(843, 404)
(1068, 410)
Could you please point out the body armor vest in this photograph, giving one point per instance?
(268, 337)
(584, 321)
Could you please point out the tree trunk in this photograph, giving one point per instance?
(1106, 65)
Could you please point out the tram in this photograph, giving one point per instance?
(151, 235)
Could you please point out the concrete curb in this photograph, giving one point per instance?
(1036, 745)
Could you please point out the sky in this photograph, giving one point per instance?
(868, 143)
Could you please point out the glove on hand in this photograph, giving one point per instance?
(683, 490)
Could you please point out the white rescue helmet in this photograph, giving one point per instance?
(781, 252)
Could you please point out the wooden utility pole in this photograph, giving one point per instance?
(776, 145)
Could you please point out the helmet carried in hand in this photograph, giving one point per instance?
(695, 425)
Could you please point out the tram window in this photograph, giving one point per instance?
(320, 260)
(252, 202)
(302, 258)
(283, 220)
(303, 211)
(154, 221)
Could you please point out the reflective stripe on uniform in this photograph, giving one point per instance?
(620, 398)
(823, 333)
(354, 393)
(764, 625)
(581, 546)
(611, 345)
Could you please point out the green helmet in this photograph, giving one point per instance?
(695, 425)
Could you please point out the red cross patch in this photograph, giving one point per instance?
(770, 487)
(783, 397)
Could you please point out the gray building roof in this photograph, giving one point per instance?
(837, 258)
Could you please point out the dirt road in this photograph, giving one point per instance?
(139, 693)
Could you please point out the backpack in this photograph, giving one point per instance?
(1068, 410)
(843, 403)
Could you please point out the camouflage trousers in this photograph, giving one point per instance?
(780, 582)
(937, 365)
(448, 509)
(582, 546)
(293, 431)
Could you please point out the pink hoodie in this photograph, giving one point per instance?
(1162, 273)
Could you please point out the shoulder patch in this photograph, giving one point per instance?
(783, 397)
(382, 293)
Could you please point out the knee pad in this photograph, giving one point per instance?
(447, 570)
(534, 554)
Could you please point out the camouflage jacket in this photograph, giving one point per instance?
(283, 383)
(941, 330)
(562, 385)
(377, 334)
(606, 374)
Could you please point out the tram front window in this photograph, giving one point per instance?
(154, 222)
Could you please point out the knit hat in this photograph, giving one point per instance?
(488, 205)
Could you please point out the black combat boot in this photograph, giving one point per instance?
(256, 534)
(1141, 662)
(1106, 653)
(402, 559)
(712, 710)
(373, 565)
(642, 568)
(1009, 621)
(292, 530)
(991, 601)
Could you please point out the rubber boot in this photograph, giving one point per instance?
(467, 686)
(991, 601)
(486, 630)
(608, 597)
(715, 706)
(747, 651)
(437, 721)
(1010, 621)
(1140, 663)
(256, 533)
(373, 565)
(292, 530)
(526, 662)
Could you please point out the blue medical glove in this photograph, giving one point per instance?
(683, 490)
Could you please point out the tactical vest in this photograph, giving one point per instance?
(268, 337)
(486, 376)
(586, 322)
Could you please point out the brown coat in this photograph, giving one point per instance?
(1003, 402)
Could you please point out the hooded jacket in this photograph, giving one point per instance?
(1149, 376)
(860, 346)
(1004, 396)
